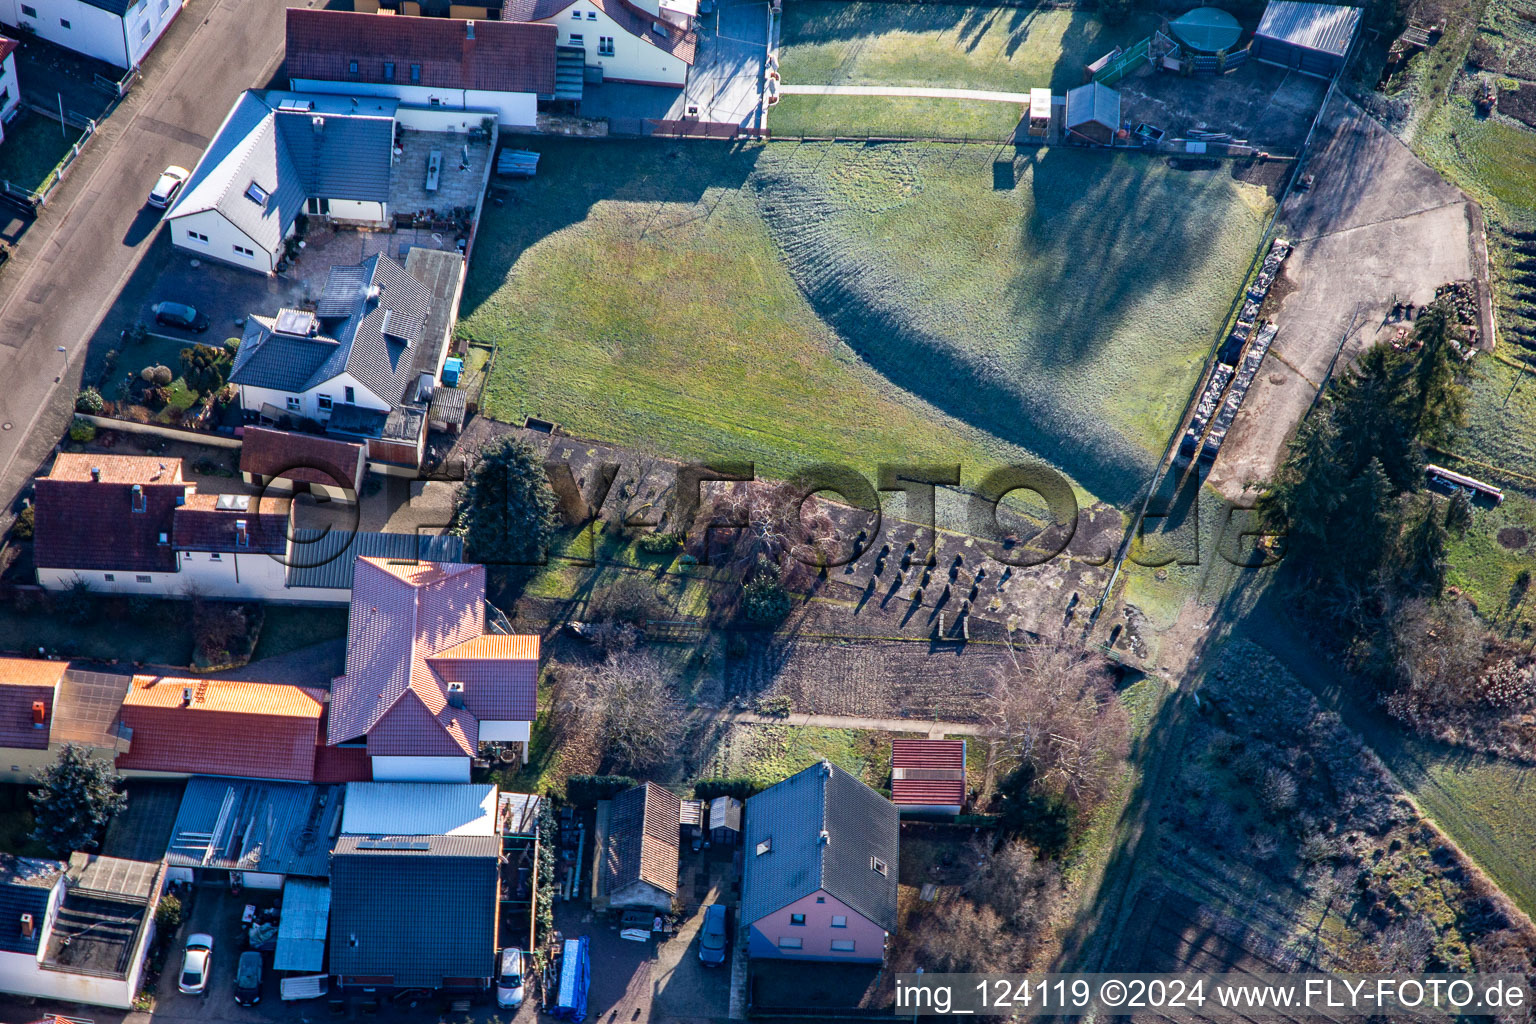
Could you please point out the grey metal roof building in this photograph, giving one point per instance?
(325, 558)
(275, 150)
(302, 927)
(414, 911)
(1311, 38)
(1093, 112)
(824, 830)
(281, 828)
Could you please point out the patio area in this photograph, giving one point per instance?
(464, 165)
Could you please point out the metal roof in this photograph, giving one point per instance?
(301, 929)
(1326, 28)
(325, 558)
(1093, 102)
(860, 830)
(274, 827)
(420, 809)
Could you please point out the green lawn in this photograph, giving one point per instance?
(801, 303)
(1485, 569)
(34, 147)
(893, 117)
(286, 628)
(828, 42)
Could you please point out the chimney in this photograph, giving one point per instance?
(242, 534)
(39, 714)
(824, 838)
(318, 123)
(95, 474)
(138, 497)
(469, 30)
(27, 928)
(186, 696)
(455, 695)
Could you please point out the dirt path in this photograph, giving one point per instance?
(935, 730)
(904, 90)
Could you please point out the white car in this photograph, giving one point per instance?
(171, 180)
(509, 982)
(196, 963)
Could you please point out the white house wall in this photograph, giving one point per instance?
(10, 88)
(222, 239)
(252, 574)
(357, 211)
(118, 581)
(633, 60)
(505, 732)
(121, 41)
(253, 398)
(420, 769)
(514, 108)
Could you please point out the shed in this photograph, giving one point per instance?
(302, 926)
(1039, 111)
(725, 821)
(691, 818)
(928, 776)
(1207, 29)
(1311, 38)
(1093, 113)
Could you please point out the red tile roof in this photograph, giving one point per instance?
(24, 681)
(500, 675)
(630, 17)
(116, 469)
(927, 772)
(250, 730)
(302, 458)
(86, 525)
(7, 46)
(499, 56)
(201, 525)
(411, 728)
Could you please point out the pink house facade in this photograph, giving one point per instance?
(818, 927)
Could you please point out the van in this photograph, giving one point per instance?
(509, 979)
(248, 978)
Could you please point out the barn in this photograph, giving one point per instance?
(1093, 113)
(1311, 38)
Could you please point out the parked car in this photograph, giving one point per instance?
(248, 978)
(509, 982)
(179, 314)
(169, 183)
(712, 936)
(196, 962)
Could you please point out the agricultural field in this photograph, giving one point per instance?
(795, 303)
(1001, 49)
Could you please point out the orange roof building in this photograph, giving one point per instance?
(928, 776)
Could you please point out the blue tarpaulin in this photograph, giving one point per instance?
(575, 974)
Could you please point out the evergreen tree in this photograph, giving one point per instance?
(1458, 513)
(78, 795)
(506, 512)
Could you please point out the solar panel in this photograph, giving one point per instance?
(295, 321)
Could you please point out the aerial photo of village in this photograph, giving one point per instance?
(790, 510)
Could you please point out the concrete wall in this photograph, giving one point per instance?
(357, 212)
(817, 934)
(18, 765)
(515, 108)
(155, 430)
(420, 769)
(222, 239)
(633, 60)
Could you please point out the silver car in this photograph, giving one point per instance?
(170, 182)
(196, 964)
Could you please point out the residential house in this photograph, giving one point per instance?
(414, 911)
(120, 32)
(77, 932)
(637, 863)
(258, 833)
(185, 727)
(497, 66)
(75, 705)
(289, 462)
(10, 87)
(820, 874)
(425, 683)
(128, 524)
(364, 363)
(278, 155)
(928, 776)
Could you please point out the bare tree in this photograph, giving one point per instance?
(630, 702)
(1438, 650)
(1055, 713)
(777, 522)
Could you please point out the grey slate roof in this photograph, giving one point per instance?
(418, 908)
(275, 827)
(352, 337)
(860, 824)
(25, 884)
(325, 149)
(325, 558)
(1326, 28)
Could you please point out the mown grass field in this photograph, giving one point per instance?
(893, 117)
(827, 42)
(794, 303)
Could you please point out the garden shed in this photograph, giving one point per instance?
(1093, 113)
(1311, 38)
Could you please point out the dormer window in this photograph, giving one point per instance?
(256, 194)
(877, 865)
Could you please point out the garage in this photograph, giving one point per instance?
(1313, 39)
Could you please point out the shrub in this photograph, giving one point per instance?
(137, 414)
(658, 543)
(22, 529)
(147, 375)
(168, 915)
(135, 335)
(779, 706)
(163, 375)
(232, 345)
(740, 788)
(589, 789)
(76, 603)
(203, 367)
(90, 402)
(765, 601)
(82, 432)
(629, 599)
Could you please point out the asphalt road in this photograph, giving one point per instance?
(96, 236)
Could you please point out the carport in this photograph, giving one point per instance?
(301, 928)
